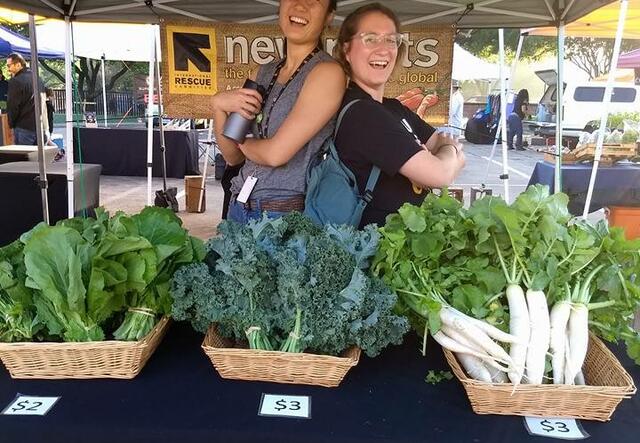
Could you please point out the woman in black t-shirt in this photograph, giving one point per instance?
(381, 131)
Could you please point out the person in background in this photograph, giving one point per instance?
(4, 86)
(411, 155)
(456, 108)
(50, 110)
(514, 120)
(20, 104)
(295, 117)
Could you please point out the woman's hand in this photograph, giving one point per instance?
(439, 139)
(444, 139)
(247, 102)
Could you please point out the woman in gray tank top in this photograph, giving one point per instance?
(303, 92)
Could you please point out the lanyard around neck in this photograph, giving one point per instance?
(263, 124)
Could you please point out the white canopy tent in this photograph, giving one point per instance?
(114, 41)
(463, 59)
(462, 13)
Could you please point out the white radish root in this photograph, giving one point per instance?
(483, 342)
(558, 320)
(474, 367)
(519, 328)
(449, 343)
(578, 339)
(539, 336)
(488, 360)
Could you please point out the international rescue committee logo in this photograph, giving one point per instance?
(191, 60)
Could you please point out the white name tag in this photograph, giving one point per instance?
(562, 428)
(247, 188)
(296, 406)
(30, 405)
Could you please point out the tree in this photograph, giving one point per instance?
(484, 43)
(88, 71)
(593, 55)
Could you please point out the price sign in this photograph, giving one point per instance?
(30, 405)
(563, 428)
(296, 406)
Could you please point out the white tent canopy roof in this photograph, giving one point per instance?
(93, 40)
(464, 13)
(467, 66)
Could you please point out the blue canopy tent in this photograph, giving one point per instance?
(13, 42)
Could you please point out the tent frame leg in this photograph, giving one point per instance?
(606, 104)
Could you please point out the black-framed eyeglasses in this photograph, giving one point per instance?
(373, 40)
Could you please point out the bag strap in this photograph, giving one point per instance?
(374, 175)
(341, 115)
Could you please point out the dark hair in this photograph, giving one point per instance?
(333, 5)
(17, 58)
(522, 98)
(350, 27)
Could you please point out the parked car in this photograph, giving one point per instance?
(582, 104)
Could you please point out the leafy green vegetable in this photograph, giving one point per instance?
(440, 252)
(437, 252)
(17, 315)
(286, 284)
(435, 377)
(72, 280)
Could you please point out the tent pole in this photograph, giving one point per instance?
(498, 131)
(606, 104)
(37, 101)
(557, 183)
(503, 117)
(104, 92)
(152, 62)
(68, 87)
(163, 147)
(206, 161)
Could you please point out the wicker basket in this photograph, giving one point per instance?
(98, 359)
(275, 366)
(608, 384)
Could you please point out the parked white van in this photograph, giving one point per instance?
(582, 104)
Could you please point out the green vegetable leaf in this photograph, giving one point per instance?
(435, 377)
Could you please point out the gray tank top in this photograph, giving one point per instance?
(290, 179)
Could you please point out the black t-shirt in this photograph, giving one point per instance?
(372, 133)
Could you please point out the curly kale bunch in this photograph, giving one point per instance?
(287, 284)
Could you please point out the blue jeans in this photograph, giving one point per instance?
(514, 129)
(24, 137)
(238, 212)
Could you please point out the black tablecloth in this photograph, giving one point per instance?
(124, 151)
(179, 398)
(617, 185)
(21, 207)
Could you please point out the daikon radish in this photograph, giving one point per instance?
(578, 339)
(475, 367)
(558, 320)
(447, 342)
(488, 360)
(538, 336)
(449, 317)
(518, 327)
